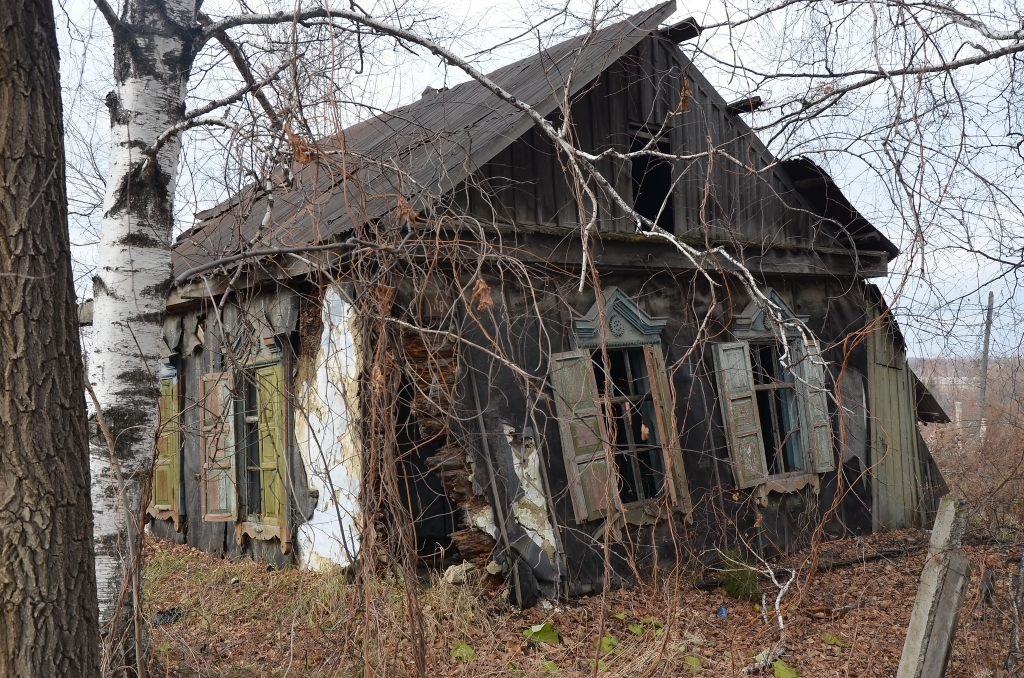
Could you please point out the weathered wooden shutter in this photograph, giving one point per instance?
(809, 370)
(217, 434)
(585, 448)
(739, 412)
(270, 401)
(168, 448)
(668, 431)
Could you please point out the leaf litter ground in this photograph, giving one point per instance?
(238, 620)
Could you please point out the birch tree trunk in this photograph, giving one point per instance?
(48, 617)
(152, 57)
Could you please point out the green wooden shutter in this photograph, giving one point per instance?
(809, 370)
(168, 447)
(270, 401)
(217, 434)
(668, 431)
(593, 485)
(739, 412)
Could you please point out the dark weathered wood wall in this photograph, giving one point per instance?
(723, 515)
(744, 198)
(195, 359)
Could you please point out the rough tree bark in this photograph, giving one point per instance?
(152, 57)
(48, 615)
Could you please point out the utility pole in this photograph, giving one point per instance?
(984, 366)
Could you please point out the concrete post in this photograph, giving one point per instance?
(939, 597)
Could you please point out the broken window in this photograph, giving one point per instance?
(632, 422)
(775, 390)
(775, 414)
(652, 184)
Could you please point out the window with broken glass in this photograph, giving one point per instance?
(619, 435)
(775, 391)
(631, 422)
(775, 412)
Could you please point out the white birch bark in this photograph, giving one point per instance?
(152, 60)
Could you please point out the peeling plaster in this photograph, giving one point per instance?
(327, 432)
(530, 508)
(483, 519)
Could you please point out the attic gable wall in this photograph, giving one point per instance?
(526, 185)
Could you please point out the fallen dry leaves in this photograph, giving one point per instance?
(851, 622)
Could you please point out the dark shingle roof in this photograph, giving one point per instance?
(428, 146)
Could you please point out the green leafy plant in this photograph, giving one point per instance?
(693, 664)
(463, 651)
(549, 666)
(636, 629)
(829, 639)
(781, 670)
(542, 633)
(607, 643)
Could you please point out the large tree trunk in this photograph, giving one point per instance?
(48, 616)
(152, 57)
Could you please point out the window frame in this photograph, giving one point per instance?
(780, 408)
(263, 525)
(587, 446)
(750, 460)
(633, 449)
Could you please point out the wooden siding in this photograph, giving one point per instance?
(756, 204)
(895, 455)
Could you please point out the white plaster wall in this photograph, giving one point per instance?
(530, 509)
(326, 429)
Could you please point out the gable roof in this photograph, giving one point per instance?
(818, 188)
(429, 145)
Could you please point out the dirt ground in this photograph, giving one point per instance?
(241, 619)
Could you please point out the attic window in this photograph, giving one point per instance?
(652, 184)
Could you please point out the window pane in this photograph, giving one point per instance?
(789, 424)
(765, 410)
(627, 478)
(638, 367)
(652, 471)
(620, 424)
(620, 377)
(646, 417)
(763, 362)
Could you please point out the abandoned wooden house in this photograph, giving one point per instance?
(418, 291)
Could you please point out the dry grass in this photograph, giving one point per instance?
(296, 623)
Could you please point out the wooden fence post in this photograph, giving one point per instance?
(939, 597)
